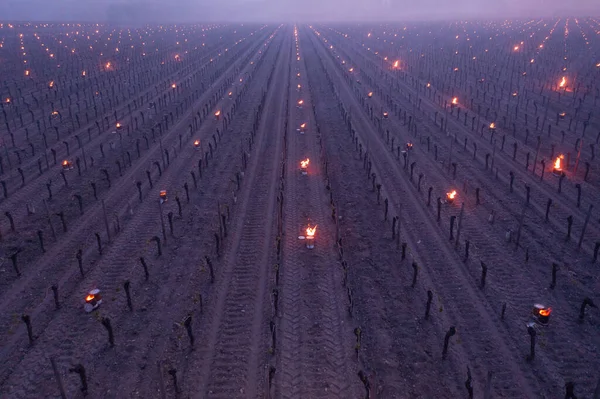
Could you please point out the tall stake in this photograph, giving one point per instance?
(520, 224)
(58, 378)
(106, 221)
(460, 216)
(587, 219)
(162, 222)
(220, 221)
(50, 220)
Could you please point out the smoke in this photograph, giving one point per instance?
(134, 12)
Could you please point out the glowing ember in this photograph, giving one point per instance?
(304, 163)
(310, 232)
(163, 195)
(370, 94)
(351, 69)
(300, 102)
(89, 298)
(515, 94)
(302, 126)
(27, 73)
(516, 48)
(196, 143)
(230, 94)
(119, 125)
(65, 163)
(562, 115)
(173, 86)
(451, 196)
(492, 125)
(396, 64)
(54, 113)
(385, 115)
(108, 64)
(409, 146)
(7, 101)
(217, 114)
(563, 82)
(51, 84)
(455, 101)
(428, 84)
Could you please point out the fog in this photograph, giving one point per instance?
(144, 11)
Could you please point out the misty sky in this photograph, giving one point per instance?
(287, 10)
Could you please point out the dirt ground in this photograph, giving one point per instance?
(234, 303)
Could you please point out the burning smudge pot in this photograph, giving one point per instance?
(92, 300)
(541, 313)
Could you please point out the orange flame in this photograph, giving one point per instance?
(89, 298)
(545, 312)
(451, 195)
(54, 113)
(119, 125)
(428, 84)
(557, 162)
(304, 163)
(7, 101)
(492, 125)
(217, 113)
(51, 84)
(302, 126)
(396, 64)
(455, 100)
(65, 163)
(173, 85)
(385, 114)
(563, 82)
(300, 102)
(370, 94)
(27, 73)
(196, 143)
(163, 194)
(310, 231)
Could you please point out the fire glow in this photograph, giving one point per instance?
(455, 101)
(492, 126)
(396, 64)
(370, 94)
(563, 82)
(304, 163)
(196, 143)
(451, 196)
(558, 164)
